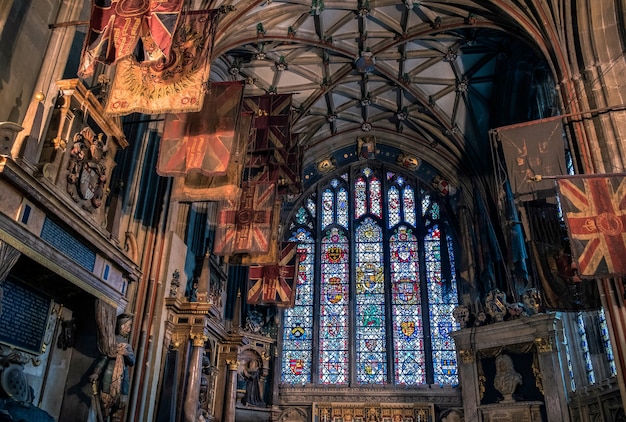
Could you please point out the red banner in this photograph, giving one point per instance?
(117, 27)
(594, 209)
(176, 85)
(202, 142)
(274, 283)
(195, 186)
(246, 227)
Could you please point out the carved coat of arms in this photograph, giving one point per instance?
(86, 169)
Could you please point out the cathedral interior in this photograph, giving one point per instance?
(310, 210)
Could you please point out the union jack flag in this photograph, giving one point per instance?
(246, 227)
(274, 283)
(595, 212)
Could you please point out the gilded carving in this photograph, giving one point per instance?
(467, 356)
(544, 345)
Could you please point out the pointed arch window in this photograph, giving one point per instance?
(376, 284)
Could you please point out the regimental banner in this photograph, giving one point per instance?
(562, 288)
(176, 85)
(533, 149)
(594, 209)
(202, 142)
(246, 226)
(271, 256)
(274, 283)
(118, 27)
(195, 187)
(273, 127)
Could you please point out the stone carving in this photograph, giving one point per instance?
(506, 379)
(86, 169)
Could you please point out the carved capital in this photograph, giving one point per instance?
(544, 345)
(233, 364)
(198, 339)
(467, 356)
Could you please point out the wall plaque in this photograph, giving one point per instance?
(23, 316)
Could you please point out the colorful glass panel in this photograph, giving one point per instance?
(328, 207)
(375, 197)
(408, 199)
(408, 332)
(371, 355)
(334, 300)
(342, 208)
(360, 197)
(393, 206)
(364, 345)
(584, 345)
(608, 349)
(442, 299)
(298, 321)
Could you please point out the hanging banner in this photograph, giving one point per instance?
(594, 209)
(202, 142)
(176, 85)
(532, 149)
(196, 187)
(121, 28)
(246, 226)
(562, 287)
(274, 283)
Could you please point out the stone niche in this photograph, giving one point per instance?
(511, 371)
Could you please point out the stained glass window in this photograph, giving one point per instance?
(370, 304)
(374, 303)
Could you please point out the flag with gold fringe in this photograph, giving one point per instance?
(176, 85)
(273, 284)
(195, 186)
(202, 142)
(594, 209)
(121, 28)
(246, 226)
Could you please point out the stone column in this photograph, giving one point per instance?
(230, 395)
(468, 376)
(192, 390)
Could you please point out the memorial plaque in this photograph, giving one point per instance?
(23, 316)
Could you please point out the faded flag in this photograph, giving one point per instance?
(245, 226)
(274, 283)
(533, 149)
(121, 28)
(176, 85)
(594, 209)
(194, 186)
(202, 142)
(562, 288)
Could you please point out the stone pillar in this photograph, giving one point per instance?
(192, 390)
(230, 395)
(468, 377)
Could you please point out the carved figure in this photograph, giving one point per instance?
(506, 379)
(111, 372)
(252, 374)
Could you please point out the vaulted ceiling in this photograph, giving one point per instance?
(419, 76)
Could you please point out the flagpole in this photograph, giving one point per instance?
(620, 107)
(539, 178)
